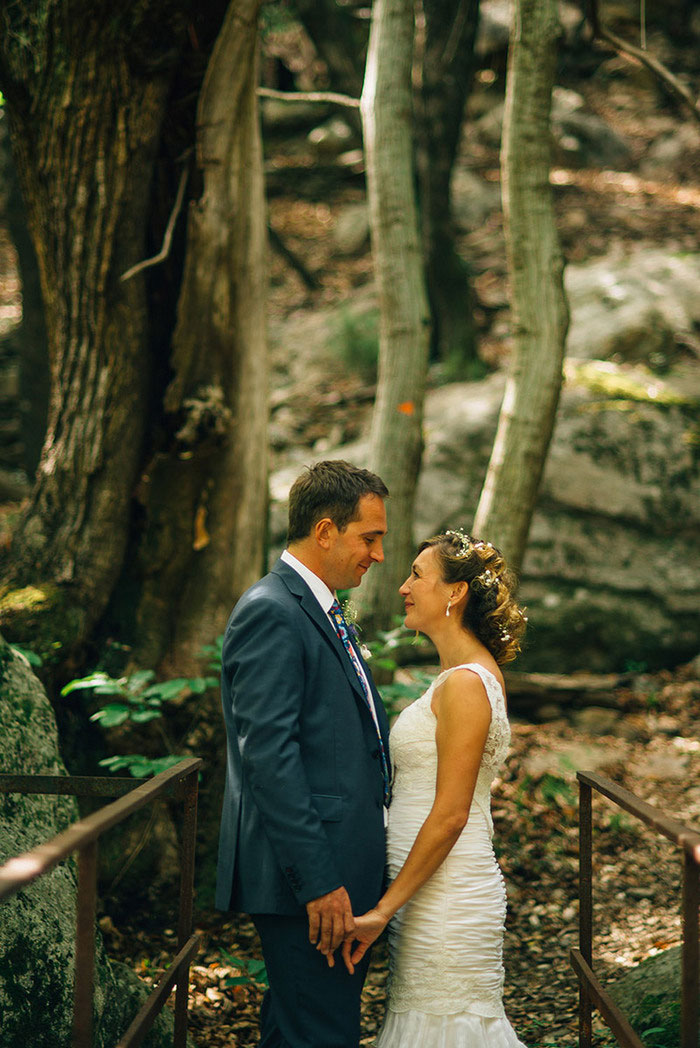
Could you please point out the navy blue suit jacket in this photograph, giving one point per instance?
(303, 804)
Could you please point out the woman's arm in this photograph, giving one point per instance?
(463, 718)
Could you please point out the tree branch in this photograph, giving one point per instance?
(650, 61)
(310, 96)
(167, 239)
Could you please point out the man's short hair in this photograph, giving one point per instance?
(329, 489)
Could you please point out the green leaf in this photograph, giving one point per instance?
(143, 716)
(138, 765)
(107, 685)
(136, 681)
(167, 689)
(198, 685)
(29, 656)
(111, 716)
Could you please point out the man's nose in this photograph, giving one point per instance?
(378, 553)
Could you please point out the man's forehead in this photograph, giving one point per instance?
(372, 519)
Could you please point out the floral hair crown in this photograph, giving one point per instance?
(467, 545)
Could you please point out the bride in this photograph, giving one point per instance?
(446, 903)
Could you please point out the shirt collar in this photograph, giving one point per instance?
(323, 595)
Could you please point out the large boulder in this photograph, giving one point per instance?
(612, 569)
(640, 306)
(37, 925)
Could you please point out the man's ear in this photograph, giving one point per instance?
(324, 530)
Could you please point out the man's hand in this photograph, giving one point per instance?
(330, 921)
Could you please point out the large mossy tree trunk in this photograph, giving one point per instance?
(85, 89)
(404, 325)
(145, 523)
(536, 266)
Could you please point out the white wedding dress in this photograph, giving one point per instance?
(446, 943)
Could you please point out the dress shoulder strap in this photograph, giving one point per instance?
(494, 691)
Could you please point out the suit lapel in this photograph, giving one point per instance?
(296, 585)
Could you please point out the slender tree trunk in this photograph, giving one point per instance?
(84, 119)
(540, 313)
(446, 78)
(404, 326)
(212, 486)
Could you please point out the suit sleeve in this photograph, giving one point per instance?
(263, 661)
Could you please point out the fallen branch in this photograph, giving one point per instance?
(167, 239)
(658, 68)
(288, 255)
(310, 96)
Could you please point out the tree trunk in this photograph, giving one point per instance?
(25, 344)
(540, 313)
(146, 521)
(404, 326)
(211, 487)
(446, 78)
(84, 118)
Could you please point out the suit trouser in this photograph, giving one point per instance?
(308, 1005)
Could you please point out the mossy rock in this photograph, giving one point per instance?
(650, 996)
(37, 925)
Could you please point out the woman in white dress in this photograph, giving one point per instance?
(446, 901)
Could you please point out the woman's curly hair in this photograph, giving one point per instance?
(491, 612)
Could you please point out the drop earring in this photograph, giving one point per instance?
(447, 609)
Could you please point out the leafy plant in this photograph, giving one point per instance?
(658, 1021)
(556, 790)
(140, 699)
(253, 972)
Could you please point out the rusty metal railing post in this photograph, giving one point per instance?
(85, 946)
(585, 908)
(184, 929)
(690, 1009)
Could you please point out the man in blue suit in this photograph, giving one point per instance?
(302, 829)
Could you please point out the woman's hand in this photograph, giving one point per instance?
(367, 929)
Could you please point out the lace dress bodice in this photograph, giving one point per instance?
(413, 749)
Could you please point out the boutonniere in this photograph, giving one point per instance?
(350, 616)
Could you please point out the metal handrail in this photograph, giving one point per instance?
(591, 991)
(180, 781)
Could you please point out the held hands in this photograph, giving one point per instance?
(367, 928)
(330, 921)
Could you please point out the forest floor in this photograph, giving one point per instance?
(653, 750)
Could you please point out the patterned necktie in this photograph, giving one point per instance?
(341, 628)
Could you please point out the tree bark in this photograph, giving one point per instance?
(84, 118)
(540, 312)
(211, 486)
(404, 325)
(447, 72)
(26, 343)
(146, 521)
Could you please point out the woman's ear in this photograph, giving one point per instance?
(459, 593)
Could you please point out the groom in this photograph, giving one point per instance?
(302, 828)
